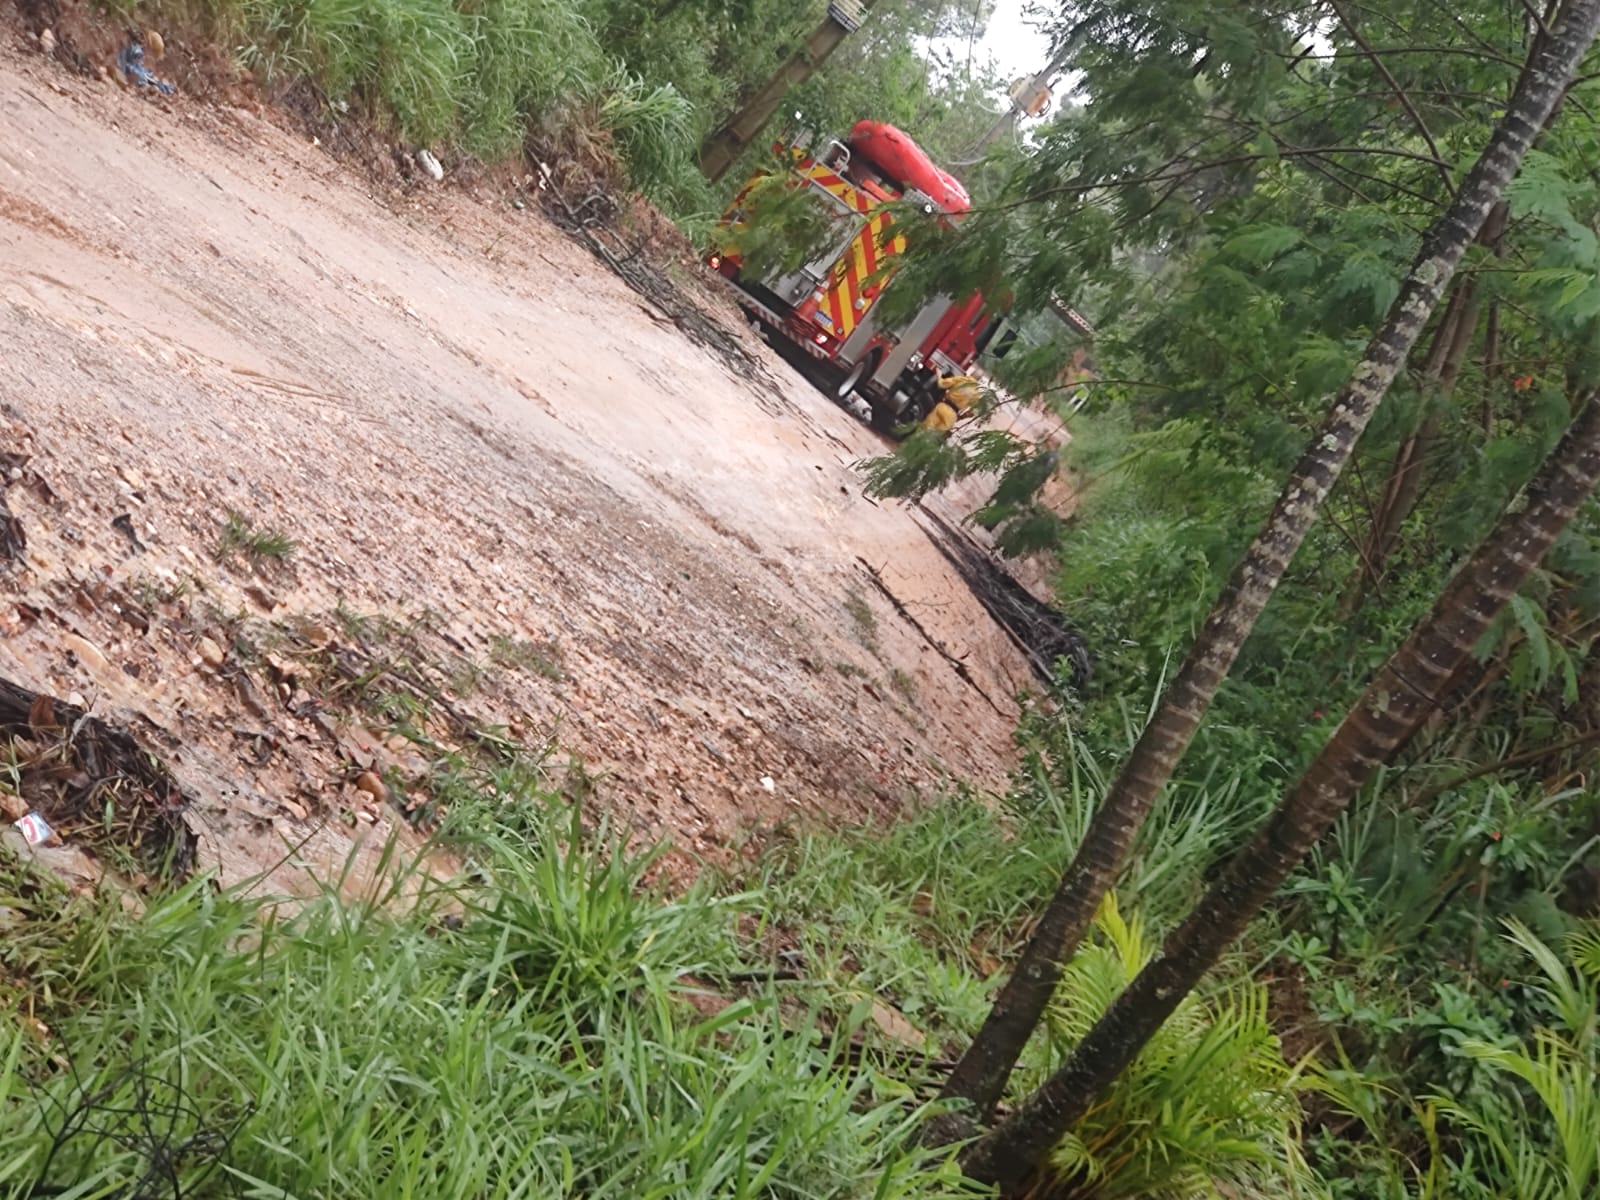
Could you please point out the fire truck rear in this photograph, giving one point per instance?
(828, 305)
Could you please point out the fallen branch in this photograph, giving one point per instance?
(589, 219)
(1427, 797)
(93, 781)
(1038, 630)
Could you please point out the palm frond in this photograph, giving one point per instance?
(1210, 1102)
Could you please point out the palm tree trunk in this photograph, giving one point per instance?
(1410, 684)
(980, 1076)
(1403, 484)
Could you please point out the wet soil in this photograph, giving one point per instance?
(592, 531)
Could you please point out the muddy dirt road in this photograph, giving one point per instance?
(589, 530)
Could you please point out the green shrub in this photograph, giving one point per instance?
(479, 73)
(529, 55)
(1540, 1139)
(1209, 1106)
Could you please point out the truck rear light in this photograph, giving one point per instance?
(715, 260)
(822, 339)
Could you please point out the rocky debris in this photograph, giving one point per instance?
(86, 652)
(210, 653)
(371, 785)
(430, 165)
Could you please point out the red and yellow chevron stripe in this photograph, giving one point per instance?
(856, 282)
(831, 181)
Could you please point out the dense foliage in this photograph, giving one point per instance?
(1234, 204)
(621, 82)
(547, 1021)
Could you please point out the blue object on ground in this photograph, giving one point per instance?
(131, 63)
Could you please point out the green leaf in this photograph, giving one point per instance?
(1261, 243)
(1584, 305)
(1542, 189)
(1531, 621)
(1321, 363)
(1579, 283)
(1365, 273)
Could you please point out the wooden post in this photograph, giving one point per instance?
(726, 144)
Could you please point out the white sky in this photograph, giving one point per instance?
(1016, 46)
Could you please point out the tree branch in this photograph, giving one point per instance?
(1161, 176)
(1399, 92)
(1290, 150)
(1454, 51)
(1521, 759)
(1536, 17)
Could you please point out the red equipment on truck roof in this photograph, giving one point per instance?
(905, 162)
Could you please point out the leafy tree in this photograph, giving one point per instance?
(981, 1075)
(1385, 717)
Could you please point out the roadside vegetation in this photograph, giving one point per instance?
(1243, 222)
(527, 1032)
(550, 1017)
(545, 1019)
(624, 91)
(1296, 914)
(485, 78)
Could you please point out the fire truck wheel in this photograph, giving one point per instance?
(865, 368)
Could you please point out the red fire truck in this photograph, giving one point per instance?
(827, 306)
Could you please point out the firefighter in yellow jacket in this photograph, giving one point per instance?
(961, 394)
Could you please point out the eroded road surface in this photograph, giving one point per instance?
(586, 527)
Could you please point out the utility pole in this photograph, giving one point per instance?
(726, 144)
(1028, 98)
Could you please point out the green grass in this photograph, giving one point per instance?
(863, 618)
(530, 1028)
(541, 658)
(481, 75)
(240, 536)
(528, 1033)
(904, 685)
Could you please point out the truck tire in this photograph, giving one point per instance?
(866, 367)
